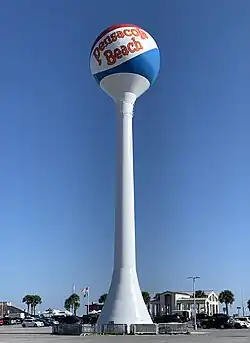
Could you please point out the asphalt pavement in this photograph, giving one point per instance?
(15, 334)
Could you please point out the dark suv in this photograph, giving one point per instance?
(217, 321)
(168, 318)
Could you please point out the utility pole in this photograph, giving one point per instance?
(194, 278)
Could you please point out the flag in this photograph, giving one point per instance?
(85, 292)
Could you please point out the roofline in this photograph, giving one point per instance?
(191, 299)
(172, 292)
(187, 292)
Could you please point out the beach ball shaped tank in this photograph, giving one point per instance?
(124, 58)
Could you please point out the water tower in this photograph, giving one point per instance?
(125, 62)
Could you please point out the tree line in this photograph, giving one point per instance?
(32, 301)
(72, 303)
(226, 297)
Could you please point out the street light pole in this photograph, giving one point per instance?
(194, 278)
(243, 305)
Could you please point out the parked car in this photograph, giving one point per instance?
(48, 321)
(71, 320)
(89, 319)
(168, 318)
(241, 323)
(66, 319)
(202, 316)
(185, 315)
(202, 320)
(217, 321)
(8, 321)
(32, 322)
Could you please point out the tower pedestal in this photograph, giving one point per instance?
(124, 303)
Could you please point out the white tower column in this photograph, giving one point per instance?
(124, 303)
(124, 214)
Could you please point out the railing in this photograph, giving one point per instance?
(67, 329)
(173, 328)
(144, 329)
(114, 329)
(88, 329)
(121, 329)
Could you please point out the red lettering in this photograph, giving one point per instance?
(127, 32)
(97, 55)
(120, 34)
(118, 53)
(124, 50)
(113, 37)
(135, 32)
(143, 34)
(110, 57)
(107, 41)
(130, 47)
(102, 46)
(137, 44)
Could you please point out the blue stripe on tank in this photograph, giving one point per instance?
(146, 64)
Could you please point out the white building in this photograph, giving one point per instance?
(168, 302)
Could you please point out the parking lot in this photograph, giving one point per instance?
(42, 335)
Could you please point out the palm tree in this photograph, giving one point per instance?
(36, 300)
(146, 297)
(27, 299)
(102, 298)
(226, 297)
(248, 305)
(157, 296)
(200, 294)
(75, 301)
(67, 304)
(72, 303)
(31, 304)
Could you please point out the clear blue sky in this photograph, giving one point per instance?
(192, 164)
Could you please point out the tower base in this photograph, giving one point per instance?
(124, 303)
